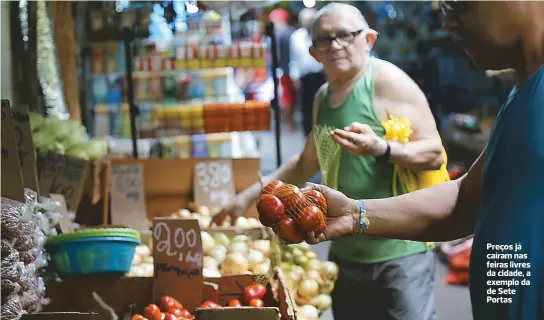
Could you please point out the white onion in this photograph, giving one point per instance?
(313, 265)
(329, 270)
(142, 250)
(308, 289)
(149, 259)
(311, 255)
(234, 263)
(262, 268)
(301, 260)
(219, 253)
(207, 242)
(322, 302)
(211, 273)
(314, 275)
(148, 269)
(137, 259)
(210, 263)
(253, 223)
(262, 245)
(240, 238)
(222, 239)
(309, 312)
(254, 258)
(204, 211)
(303, 246)
(326, 287)
(297, 252)
(238, 247)
(204, 222)
(241, 222)
(184, 214)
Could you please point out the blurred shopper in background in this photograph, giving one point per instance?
(283, 31)
(305, 71)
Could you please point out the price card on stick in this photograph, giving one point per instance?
(12, 180)
(214, 185)
(25, 146)
(128, 197)
(64, 175)
(177, 258)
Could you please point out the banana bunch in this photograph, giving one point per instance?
(397, 129)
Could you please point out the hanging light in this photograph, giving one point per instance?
(309, 3)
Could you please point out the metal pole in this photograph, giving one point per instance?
(134, 111)
(275, 102)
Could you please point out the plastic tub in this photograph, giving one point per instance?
(93, 251)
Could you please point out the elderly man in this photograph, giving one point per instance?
(305, 71)
(500, 199)
(394, 277)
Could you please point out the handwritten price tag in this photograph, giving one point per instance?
(12, 180)
(64, 175)
(128, 205)
(177, 255)
(25, 146)
(214, 186)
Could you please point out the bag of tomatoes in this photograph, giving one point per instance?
(290, 212)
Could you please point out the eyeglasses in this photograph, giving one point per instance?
(343, 39)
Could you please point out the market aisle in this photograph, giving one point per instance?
(453, 302)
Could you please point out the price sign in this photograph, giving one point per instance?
(214, 186)
(12, 180)
(63, 175)
(25, 146)
(128, 197)
(177, 258)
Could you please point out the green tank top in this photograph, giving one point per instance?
(362, 177)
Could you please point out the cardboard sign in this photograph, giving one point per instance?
(65, 223)
(64, 175)
(177, 258)
(12, 180)
(128, 196)
(25, 147)
(214, 186)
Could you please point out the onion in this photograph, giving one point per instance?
(310, 255)
(313, 265)
(137, 259)
(211, 273)
(254, 258)
(234, 263)
(204, 222)
(241, 222)
(184, 214)
(148, 269)
(219, 253)
(253, 223)
(309, 312)
(210, 263)
(204, 211)
(207, 242)
(238, 247)
(142, 250)
(301, 260)
(222, 239)
(297, 252)
(308, 289)
(262, 268)
(322, 302)
(240, 237)
(149, 259)
(329, 270)
(262, 245)
(327, 287)
(314, 275)
(303, 246)
(287, 257)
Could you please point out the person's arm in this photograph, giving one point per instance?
(294, 71)
(400, 96)
(443, 212)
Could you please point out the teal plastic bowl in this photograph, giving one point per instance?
(93, 251)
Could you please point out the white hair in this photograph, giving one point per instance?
(342, 8)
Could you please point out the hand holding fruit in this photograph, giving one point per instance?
(234, 210)
(291, 212)
(360, 139)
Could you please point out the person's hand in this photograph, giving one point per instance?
(359, 139)
(235, 209)
(342, 217)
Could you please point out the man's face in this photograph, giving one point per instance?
(489, 31)
(348, 51)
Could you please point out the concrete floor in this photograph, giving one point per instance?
(453, 302)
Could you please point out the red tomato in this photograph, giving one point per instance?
(293, 201)
(169, 316)
(167, 302)
(152, 312)
(138, 317)
(254, 291)
(257, 303)
(235, 303)
(210, 304)
(185, 314)
(175, 311)
(272, 187)
(287, 230)
(270, 208)
(311, 219)
(317, 199)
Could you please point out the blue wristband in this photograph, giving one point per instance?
(363, 222)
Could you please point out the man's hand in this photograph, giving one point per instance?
(359, 139)
(342, 215)
(234, 210)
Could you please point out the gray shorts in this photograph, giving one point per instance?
(400, 289)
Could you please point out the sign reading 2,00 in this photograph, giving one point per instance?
(177, 242)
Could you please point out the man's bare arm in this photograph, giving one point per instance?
(443, 212)
(396, 93)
